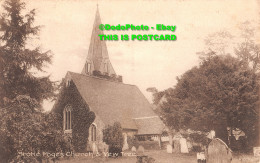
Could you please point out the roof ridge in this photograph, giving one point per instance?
(96, 77)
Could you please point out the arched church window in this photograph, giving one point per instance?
(93, 132)
(67, 125)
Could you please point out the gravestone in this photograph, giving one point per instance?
(256, 151)
(133, 149)
(218, 152)
(169, 148)
(125, 146)
(140, 150)
(184, 146)
(94, 148)
(201, 157)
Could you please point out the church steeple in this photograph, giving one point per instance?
(97, 59)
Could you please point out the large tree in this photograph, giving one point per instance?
(19, 61)
(222, 92)
(23, 125)
(242, 78)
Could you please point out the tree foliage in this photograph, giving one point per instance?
(17, 60)
(23, 125)
(221, 92)
(113, 136)
(157, 95)
(24, 129)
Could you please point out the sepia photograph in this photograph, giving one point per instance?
(129, 81)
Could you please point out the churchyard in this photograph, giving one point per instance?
(160, 156)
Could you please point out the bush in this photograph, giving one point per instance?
(25, 129)
(113, 137)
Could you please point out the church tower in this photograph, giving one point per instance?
(97, 62)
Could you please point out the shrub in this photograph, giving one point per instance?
(24, 129)
(113, 137)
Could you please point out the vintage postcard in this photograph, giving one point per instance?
(142, 81)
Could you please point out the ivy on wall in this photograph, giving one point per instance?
(81, 116)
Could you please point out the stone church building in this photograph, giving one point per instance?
(109, 98)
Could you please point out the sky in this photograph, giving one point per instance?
(67, 28)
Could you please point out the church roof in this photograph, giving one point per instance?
(115, 101)
(149, 125)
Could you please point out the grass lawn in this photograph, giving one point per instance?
(243, 158)
(160, 156)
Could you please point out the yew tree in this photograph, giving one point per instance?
(23, 125)
(19, 61)
(222, 92)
